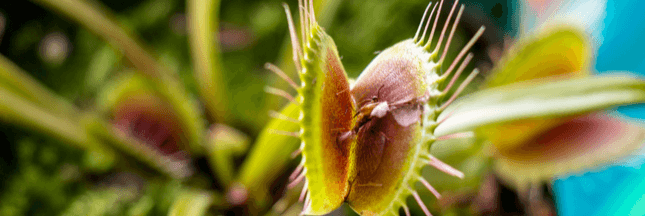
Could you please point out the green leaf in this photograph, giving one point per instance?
(529, 100)
(99, 202)
(16, 110)
(270, 155)
(464, 154)
(191, 203)
(562, 51)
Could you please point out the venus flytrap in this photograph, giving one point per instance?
(534, 150)
(137, 113)
(366, 144)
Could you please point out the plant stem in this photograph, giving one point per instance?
(203, 24)
(224, 144)
(95, 19)
(16, 110)
(17, 81)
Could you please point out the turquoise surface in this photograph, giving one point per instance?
(617, 189)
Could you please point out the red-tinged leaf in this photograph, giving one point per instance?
(385, 159)
(326, 111)
(384, 152)
(580, 143)
(555, 53)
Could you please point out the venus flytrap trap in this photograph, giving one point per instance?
(528, 152)
(326, 110)
(393, 150)
(139, 114)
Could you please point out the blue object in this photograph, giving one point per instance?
(600, 192)
(629, 198)
(617, 189)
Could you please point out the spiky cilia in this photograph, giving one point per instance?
(374, 161)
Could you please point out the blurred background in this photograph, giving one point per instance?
(41, 174)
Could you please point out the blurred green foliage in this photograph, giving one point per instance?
(252, 33)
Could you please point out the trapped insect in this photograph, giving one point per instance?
(405, 111)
